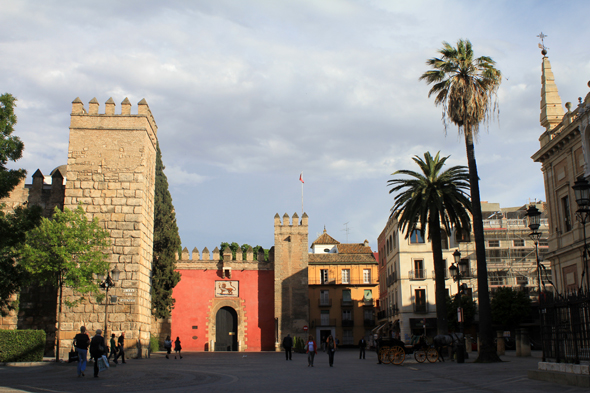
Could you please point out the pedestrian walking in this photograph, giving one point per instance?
(312, 350)
(97, 349)
(121, 348)
(177, 347)
(288, 344)
(378, 348)
(331, 349)
(168, 346)
(113, 352)
(81, 342)
(362, 346)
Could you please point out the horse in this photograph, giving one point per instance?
(447, 340)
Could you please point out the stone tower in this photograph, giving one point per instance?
(291, 292)
(111, 172)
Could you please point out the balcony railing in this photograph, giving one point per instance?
(356, 281)
(420, 308)
(446, 274)
(325, 322)
(346, 303)
(325, 302)
(419, 274)
(369, 323)
(347, 323)
(368, 303)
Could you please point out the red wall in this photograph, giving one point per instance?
(193, 296)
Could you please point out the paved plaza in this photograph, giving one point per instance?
(270, 372)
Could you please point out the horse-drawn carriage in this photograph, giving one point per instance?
(394, 351)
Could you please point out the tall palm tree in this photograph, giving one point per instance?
(466, 88)
(432, 199)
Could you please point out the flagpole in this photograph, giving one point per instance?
(301, 177)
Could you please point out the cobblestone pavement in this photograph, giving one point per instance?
(269, 371)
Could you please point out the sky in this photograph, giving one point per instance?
(248, 94)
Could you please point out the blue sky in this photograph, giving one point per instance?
(247, 94)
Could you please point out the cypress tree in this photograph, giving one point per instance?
(166, 245)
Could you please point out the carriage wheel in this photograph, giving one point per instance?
(384, 356)
(397, 355)
(420, 356)
(432, 355)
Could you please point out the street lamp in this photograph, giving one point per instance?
(582, 192)
(107, 283)
(534, 222)
(458, 270)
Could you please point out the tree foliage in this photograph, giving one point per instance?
(13, 228)
(469, 310)
(166, 245)
(466, 88)
(244, 249)
(510, 307)
(425, 201)
(11, 147)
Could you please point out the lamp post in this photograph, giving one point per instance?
(534, 222)
(107, 283)
(458, 270)
(582, 192)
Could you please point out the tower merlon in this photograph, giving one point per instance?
(195, 256)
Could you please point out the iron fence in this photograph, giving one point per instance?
(565, 327)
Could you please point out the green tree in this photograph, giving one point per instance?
(510, 307)
(11, 147)
(466, 88)
(234, 247)
(67, 250)
(469, 311)
(166, 245)
(431, 200)
(13, 229)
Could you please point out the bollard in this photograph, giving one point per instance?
(517, 343)
(525, 343)
(500, 343)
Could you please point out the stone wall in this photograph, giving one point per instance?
(111, 174)
(291, 277)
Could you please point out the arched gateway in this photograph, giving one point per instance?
(226, 336)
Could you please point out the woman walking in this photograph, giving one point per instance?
(312, 349)
(81, 342)
(331, 349)
(97, 348)
(177, 347)
(168, 346)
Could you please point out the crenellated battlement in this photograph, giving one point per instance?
(216, 256)
(92, 119)
(287, 220)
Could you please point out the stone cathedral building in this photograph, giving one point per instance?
(227, 304)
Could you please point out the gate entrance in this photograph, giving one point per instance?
(226, 330)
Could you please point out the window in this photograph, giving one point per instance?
(347, 337)
(345, 276)
(518, 242)
(493, 243)
(444, 239)
(419, 272)
(346, 315)
(366, 276)
(324, 276)
(324, 298)
(368, 315)
(346, 298)
(543, 242)
(567, 220)
(468, 264)
(522, 280)
(416, 237)
(325, 318)
(392, 237)
(420, 300)
(368, 297)
(462, 235)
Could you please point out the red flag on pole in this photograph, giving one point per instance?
(301, 177)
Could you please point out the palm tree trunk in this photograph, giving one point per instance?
(487, 351)
(439, 273)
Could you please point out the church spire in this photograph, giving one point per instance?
(551, 109)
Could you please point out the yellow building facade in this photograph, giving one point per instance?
(343, 290)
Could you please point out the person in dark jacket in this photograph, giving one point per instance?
(81, 342)
(113, 348)
(362, 346)
(177, 347)
(121, 348)
(288, 345)
(168, 346)
(97, 349)
(331, 349)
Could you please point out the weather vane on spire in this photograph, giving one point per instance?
(542, 44)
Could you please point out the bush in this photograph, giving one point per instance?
(154, 344)
(22, 345)
(298, 345)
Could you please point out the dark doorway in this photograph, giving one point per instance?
(226, 327)
(324, 337)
